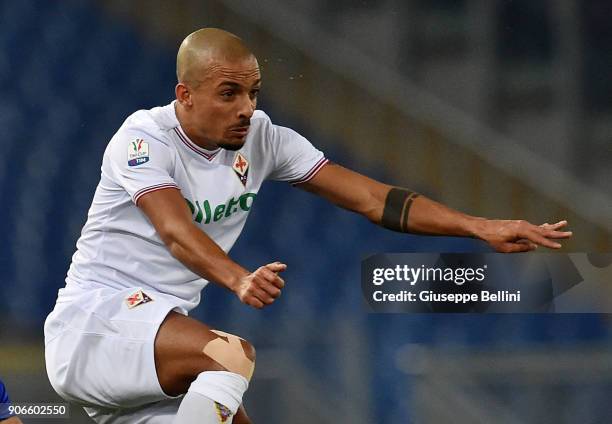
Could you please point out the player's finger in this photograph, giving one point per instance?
(515, 247)
(272, 290)
(254, 302)
(257, 290)
(558, 225)
(278, 282)
(552, 230)
(538, 238)
(552, 233)
(272, 277)
(270, 282)
(276, 266)
(247, 298)
(558, 234)
(532, 246)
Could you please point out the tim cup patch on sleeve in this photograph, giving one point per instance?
(138, 152)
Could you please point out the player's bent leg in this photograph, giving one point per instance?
(185, 347)
(213, 367)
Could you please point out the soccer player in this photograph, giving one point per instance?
(6, 417)
(176, 187)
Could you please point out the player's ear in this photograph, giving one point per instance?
(183, 94)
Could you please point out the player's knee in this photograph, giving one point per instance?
(249, 350)
(232, 353)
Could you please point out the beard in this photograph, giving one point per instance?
(232, 146)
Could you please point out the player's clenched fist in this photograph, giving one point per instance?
(262, 287)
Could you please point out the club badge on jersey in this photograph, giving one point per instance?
(241, 168)
(137, 298)
(138, 152)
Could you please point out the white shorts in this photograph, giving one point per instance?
(100, 354)
(162, 412)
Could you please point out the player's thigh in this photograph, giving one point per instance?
(183, 349)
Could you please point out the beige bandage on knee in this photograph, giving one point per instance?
(230, 354)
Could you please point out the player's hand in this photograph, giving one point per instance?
(521, 236)
(262, 287)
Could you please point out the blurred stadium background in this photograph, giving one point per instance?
(499, 108)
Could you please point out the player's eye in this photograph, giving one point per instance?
(254, 93)
(227, 93)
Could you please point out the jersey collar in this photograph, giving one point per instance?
(207, 154)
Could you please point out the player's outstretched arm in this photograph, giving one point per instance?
(171, 217)
(402, 210)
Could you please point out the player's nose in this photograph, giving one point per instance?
(246, 110)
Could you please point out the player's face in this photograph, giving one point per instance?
(224, 102)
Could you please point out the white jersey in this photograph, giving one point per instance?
(119, 247)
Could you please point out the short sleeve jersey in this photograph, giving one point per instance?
(120, 248)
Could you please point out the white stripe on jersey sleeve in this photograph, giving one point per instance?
(295, 159)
